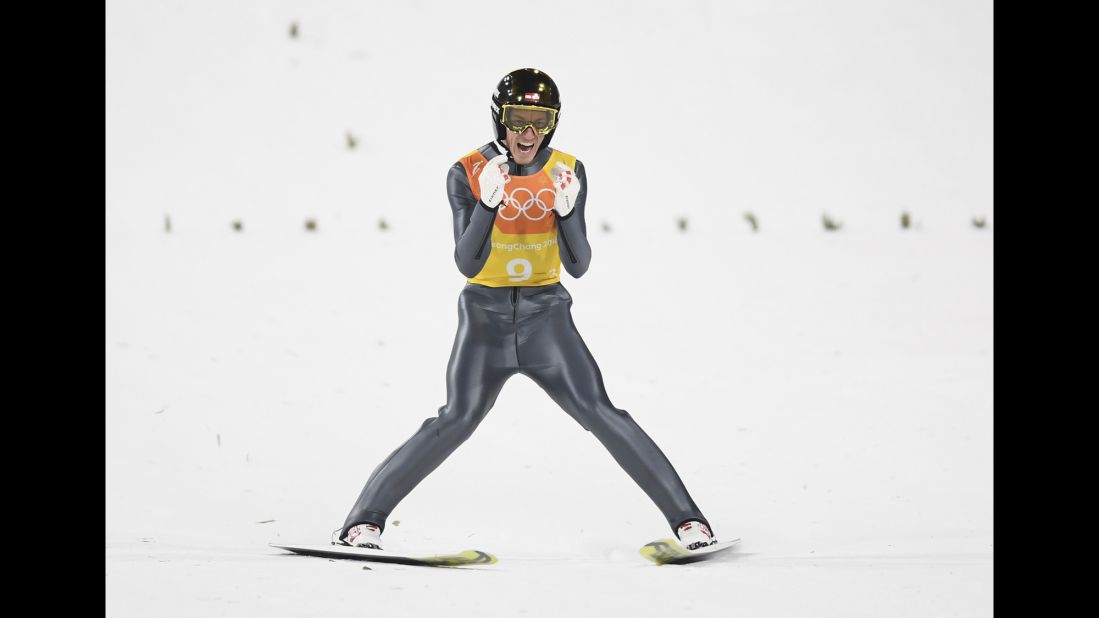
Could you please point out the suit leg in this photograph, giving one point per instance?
(475, 376)
(557, 359)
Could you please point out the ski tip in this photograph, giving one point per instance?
(479, 557)
(469, 557)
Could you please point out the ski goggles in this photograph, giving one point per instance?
(518, 117)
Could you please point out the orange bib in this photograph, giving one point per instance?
(524, 237)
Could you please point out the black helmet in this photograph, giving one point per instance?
(525, 87)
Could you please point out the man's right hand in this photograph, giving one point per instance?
(492, 181)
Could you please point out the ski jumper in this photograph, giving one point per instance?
(514, 316)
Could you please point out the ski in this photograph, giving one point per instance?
(342, 552)
(669, 551)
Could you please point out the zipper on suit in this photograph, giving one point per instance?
(515, 318)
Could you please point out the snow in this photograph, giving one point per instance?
(826, 396)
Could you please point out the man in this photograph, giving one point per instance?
(518, 210)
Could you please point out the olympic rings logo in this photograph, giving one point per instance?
(512, 202)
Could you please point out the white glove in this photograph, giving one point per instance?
(492, 180)
(567, 187)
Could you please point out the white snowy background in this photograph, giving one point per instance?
(826, 396)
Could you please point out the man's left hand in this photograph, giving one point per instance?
(567, 187)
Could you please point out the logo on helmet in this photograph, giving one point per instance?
(531, 96)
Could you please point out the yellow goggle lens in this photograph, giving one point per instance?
(518, 117)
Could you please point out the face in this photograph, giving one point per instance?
(523, 145)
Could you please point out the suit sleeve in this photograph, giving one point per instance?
(473, 223)
(572, 231)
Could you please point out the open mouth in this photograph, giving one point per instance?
(525, 148)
